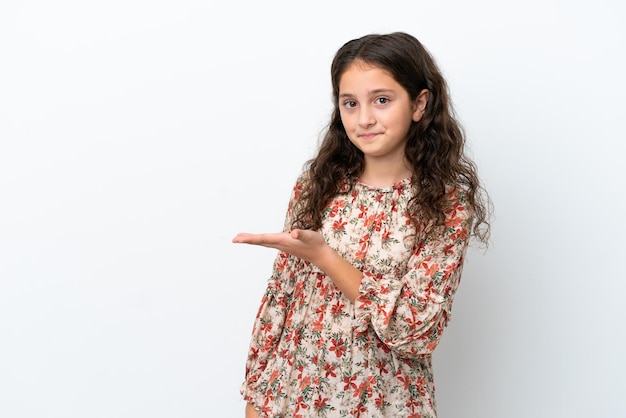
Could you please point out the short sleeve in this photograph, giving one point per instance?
(409, 313)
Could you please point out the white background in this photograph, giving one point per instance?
(138, 137)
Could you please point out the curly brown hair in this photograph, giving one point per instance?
(435, 148)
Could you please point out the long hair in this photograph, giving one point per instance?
(435, 148)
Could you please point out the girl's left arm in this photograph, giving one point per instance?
(409, 313)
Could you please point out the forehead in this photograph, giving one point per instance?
(361, 76)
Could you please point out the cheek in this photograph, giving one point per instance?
(354, 142)
(346, 120)
(405, 119)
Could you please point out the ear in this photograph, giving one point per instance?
(419, 105)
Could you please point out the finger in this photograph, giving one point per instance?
(241, 237)
(268, 239)
(245, 238)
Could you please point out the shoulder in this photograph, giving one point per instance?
(302, 180)
(457, 202)
(456, 193)
(299, 188)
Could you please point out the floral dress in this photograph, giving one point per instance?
(313, 353)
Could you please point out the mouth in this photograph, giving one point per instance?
(368, 135)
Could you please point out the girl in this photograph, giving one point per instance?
(372, 251)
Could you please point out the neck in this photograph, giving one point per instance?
(385, 175)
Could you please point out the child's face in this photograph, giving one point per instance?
(377, 112)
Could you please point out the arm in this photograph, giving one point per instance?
(311, 246)
(409, 313)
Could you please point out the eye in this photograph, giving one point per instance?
(349, 104)
(382, 100)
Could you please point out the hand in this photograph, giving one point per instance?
(311, 246)
(306, 244)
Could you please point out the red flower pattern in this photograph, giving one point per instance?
(314, 353)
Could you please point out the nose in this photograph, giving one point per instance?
(366, 117)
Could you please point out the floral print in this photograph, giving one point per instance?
(313, 353)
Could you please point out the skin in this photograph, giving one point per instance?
(251, 412)
(377, 113)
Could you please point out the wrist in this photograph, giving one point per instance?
(327, 259)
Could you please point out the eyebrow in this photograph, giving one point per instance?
(371, 93)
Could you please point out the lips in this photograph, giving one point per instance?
(368, 135)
